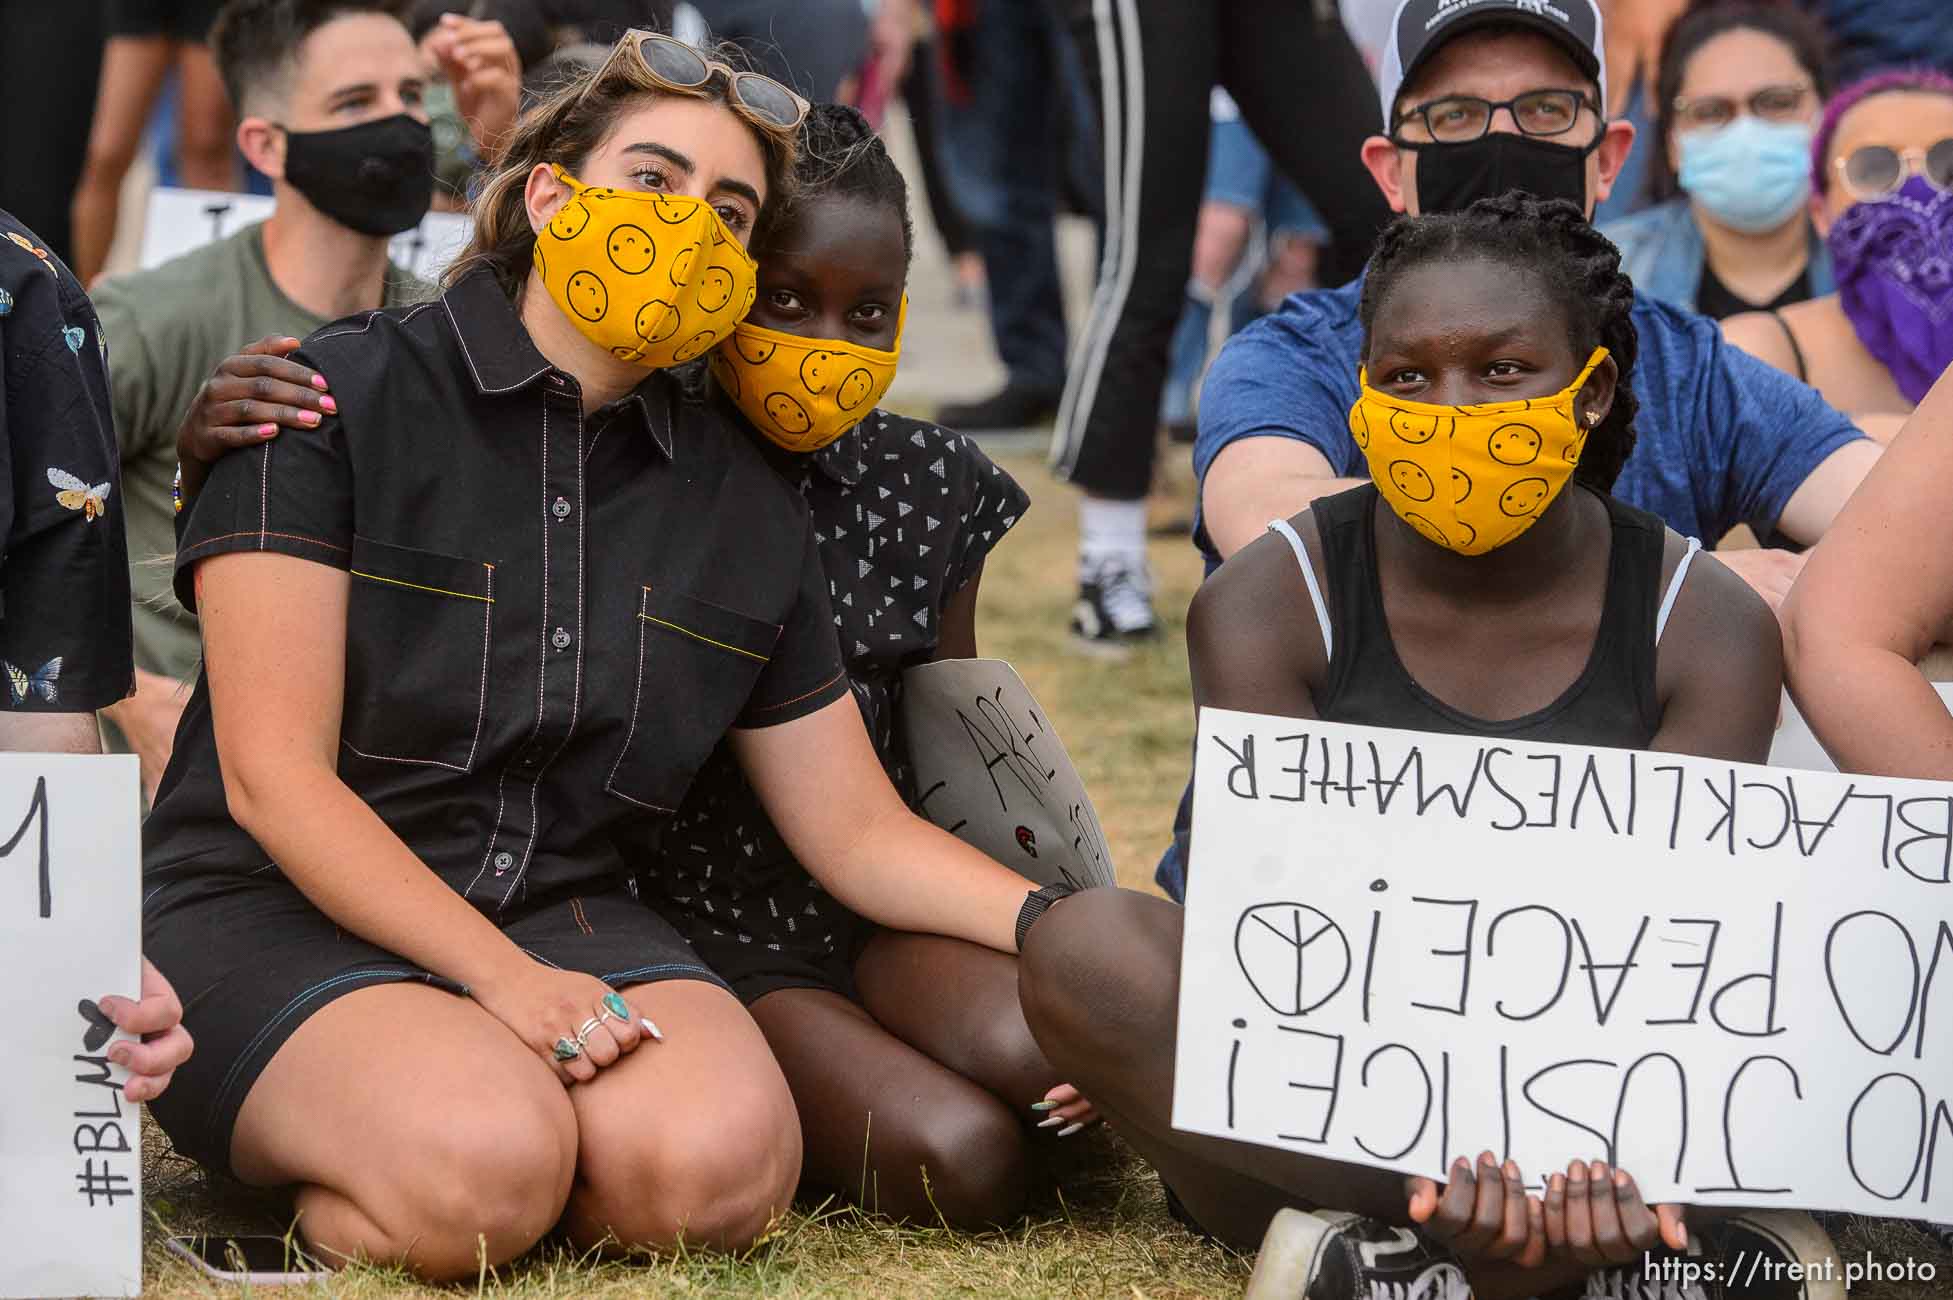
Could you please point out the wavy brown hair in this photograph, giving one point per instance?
(565, 128)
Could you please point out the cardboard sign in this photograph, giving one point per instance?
(991, 771)
(1795, 746)
(1736, 982)
(180, 220)
(70, 932)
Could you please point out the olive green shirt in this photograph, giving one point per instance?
(167, 329)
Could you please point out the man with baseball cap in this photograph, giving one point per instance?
(1482, 97)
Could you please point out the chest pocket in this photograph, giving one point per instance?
(697, 663)
(417, 639)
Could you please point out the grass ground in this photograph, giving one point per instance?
(1101, 1229)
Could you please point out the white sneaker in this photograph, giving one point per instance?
(1114, 610)
(1334, 1255)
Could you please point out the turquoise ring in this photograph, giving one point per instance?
(615, 1004)
(567, 1049)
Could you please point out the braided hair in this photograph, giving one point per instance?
(840, 154)
(1552, 241)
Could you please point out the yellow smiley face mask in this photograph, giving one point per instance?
(655, 279)
(1471, 478)
(804, 393)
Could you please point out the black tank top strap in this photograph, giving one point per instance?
(1634, 592)
(1345, 523)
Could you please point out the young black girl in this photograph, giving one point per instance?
(1524, 603)
(911, 1066)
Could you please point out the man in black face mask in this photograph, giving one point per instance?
(328, 96)
(1482, 97)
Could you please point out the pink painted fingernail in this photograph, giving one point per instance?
(310, 417)
(318, 382)
(267, 430)
(329, 405)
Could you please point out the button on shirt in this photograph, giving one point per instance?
(553, 618)
(64, 568)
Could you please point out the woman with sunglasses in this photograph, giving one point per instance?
(1739, 90)
(466, 643)
(1882, 169)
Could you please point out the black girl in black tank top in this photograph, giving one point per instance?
(1613, 701)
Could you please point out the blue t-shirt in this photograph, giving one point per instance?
(1723, 438)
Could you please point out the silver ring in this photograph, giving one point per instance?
(583, 1030)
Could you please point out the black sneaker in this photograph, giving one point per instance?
(1333, 1255)
(1114, 611)
(1756, 1255)
(1011, 407)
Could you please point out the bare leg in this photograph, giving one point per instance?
(892, 1130)
(1100, 979)
(133, 68)
(205, 125)
(1220, 241)
(694, 1137)
(956, 1003)
(420, 1131)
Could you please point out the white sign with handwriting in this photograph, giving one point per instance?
(990, 770)
(179, 220)
(70, 932)
(1405, 948)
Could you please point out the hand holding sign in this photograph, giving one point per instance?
(70, 1202)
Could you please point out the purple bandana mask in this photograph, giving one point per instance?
(1893, 259)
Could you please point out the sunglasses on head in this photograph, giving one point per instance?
(1875, 171)
(673, 65)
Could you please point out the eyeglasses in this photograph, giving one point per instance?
(674, 65)
(1459, 119)
(1772, 104)
(1874, 171)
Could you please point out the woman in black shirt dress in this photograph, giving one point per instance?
(466, 645)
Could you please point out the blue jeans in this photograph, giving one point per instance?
(1001, 159)
(1241, 175)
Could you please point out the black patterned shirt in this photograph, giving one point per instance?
(904, 514)
(64, 569)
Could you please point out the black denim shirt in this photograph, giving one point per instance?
(64, 561)
(553, 619)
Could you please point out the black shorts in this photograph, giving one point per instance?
(179, 20)
(753, 970)
(253, 959)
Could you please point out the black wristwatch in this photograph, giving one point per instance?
(1036, 904)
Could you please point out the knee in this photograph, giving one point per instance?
(971, 1162)
(712, 1184)
(1100, 969)
(480, 1188)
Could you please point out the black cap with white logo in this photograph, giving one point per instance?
(1423, 26)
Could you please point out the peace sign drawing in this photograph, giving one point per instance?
(1294, 957)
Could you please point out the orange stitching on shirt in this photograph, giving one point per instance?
(769, 708)
(582, 921)
(290, 537)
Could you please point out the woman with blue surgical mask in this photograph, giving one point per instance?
(1738, 93)
(1882, 171)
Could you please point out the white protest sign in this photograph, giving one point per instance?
(180, 220)
(990, 770)
(1795, 746)
(1734, 981)
(70, 932)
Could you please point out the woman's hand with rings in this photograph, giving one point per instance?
(545, 1007)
